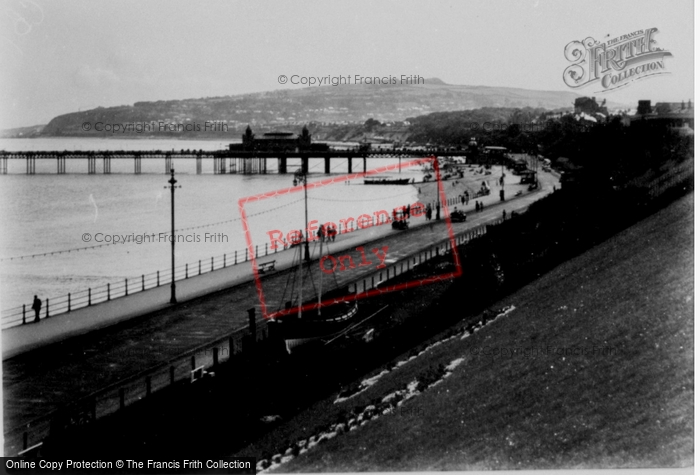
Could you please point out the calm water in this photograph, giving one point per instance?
(49, 212)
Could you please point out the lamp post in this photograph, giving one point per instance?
(503, 177)
(436, 164)
(172, 182)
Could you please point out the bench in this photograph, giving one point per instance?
(266, 266)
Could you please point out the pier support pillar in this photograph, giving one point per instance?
(137, 165)
(219, 165)
(3, 165)
(107, 165)
(263, 166)
(60, 165)
(327, 165)
(282, 164)
(350, 165)
(92, 165)
(31, 165)
(199, 164)
(304, 165)
(168, 163)
(364, 164)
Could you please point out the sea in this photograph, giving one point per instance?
(69, 232)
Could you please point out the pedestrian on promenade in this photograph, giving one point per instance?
(428, 213)
(476, 206)
(36, 306)
(504, 215)
(321, 233)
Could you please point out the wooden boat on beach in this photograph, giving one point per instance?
(384, 180)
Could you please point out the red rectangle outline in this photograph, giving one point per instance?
(370, 293)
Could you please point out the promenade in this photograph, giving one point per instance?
(40, 381)
(23, 338)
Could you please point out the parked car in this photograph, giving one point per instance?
(458, 216)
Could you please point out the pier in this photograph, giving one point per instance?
(224, 161)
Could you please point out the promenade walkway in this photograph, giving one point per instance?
(20, 339)
(37, 382)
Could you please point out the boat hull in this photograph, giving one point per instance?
(298, 332)
(394, 181)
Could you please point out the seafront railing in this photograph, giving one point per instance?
(62, 304)
(54, 306)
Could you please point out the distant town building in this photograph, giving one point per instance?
(589, 106)
(677, 115)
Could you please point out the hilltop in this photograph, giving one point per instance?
(313, 105)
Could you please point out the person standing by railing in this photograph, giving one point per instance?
(36, 306)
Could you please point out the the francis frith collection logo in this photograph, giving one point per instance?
(616, 62)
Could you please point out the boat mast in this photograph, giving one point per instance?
(320, 285)
(307, 256)
(300, 176)
(301, 281)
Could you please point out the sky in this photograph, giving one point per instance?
(61, 56)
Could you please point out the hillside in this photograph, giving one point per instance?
(607, 379)
(293, 107)
(22, 132)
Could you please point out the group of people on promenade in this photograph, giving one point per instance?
(429, 212)
(327, 235)
(405, 213)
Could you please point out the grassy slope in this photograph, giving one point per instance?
(629, 408)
